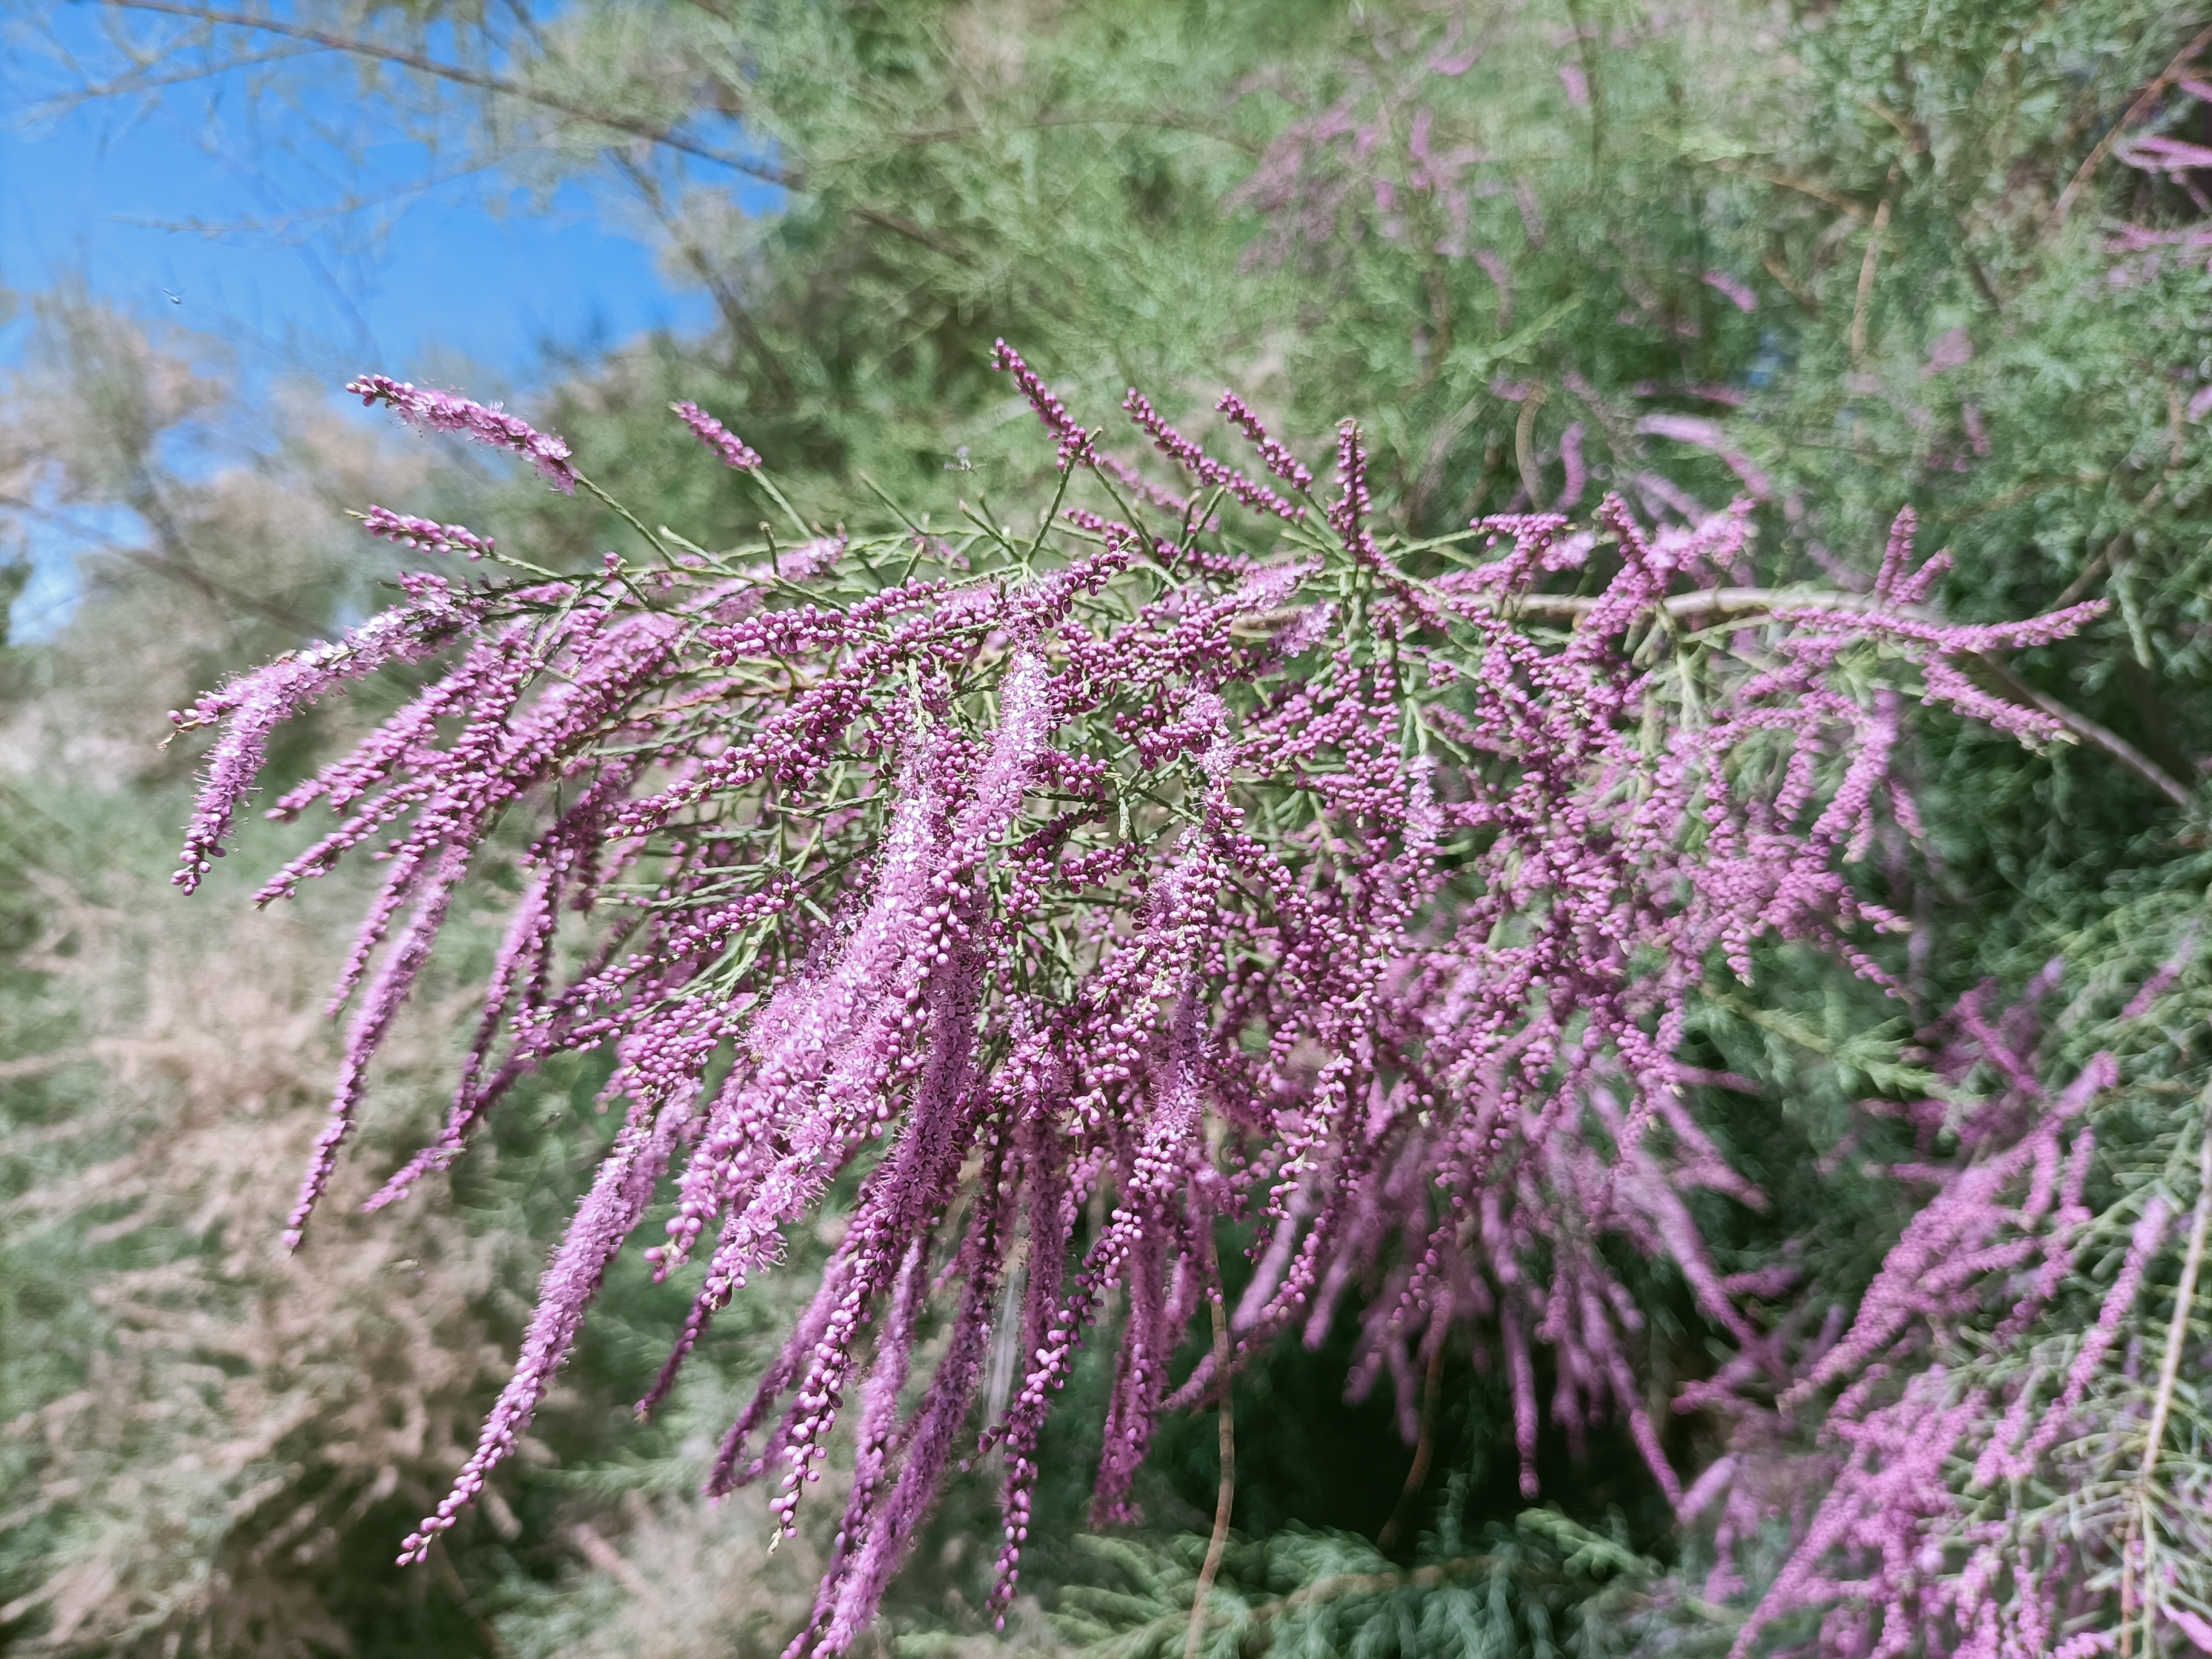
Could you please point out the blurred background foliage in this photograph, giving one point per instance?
(1843, 257)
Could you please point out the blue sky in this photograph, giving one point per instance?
(214, 210)
(467, 268)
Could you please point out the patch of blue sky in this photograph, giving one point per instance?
(45, 602)
(310, 237)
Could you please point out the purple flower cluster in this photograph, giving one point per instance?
(425, 533)
(1073, 909)
(1950, 1390)
(1208, 471)
(735, 452)
(1074, 441)
(253, 705)
(1277, 455)
(442, 411)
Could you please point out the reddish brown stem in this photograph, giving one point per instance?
(1424, 1454)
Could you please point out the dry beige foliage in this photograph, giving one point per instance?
(249, 1408)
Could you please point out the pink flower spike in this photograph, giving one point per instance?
(425, 533)
(250, 706)
(735, 453)
(1578, 472)
(1708, 435)
(1074, 441)
(1736, 293)
(1202, 467)
(1281, 462)
(488, 424)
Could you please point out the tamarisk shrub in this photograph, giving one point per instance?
(1992, 1473)
(1258, 866)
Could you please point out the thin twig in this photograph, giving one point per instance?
(1368, 1583)
(1788, 181)
(1432, 467)
(355, 46)
(1524, 450)
(734, 314)
(489, 1637)
(2093, 573)
(2185, 1296)
(898, 223)
(2167, 77)
(1867, 264)
(602, 1555)
(2080, 587)
(1226, 1501)
(208, 587)
(1778, 269)
(2097, 736)
(2169, 1369)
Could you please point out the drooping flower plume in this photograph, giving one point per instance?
(1078, 900)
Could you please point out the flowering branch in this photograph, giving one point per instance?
(1736, 602)
(1003, 885)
